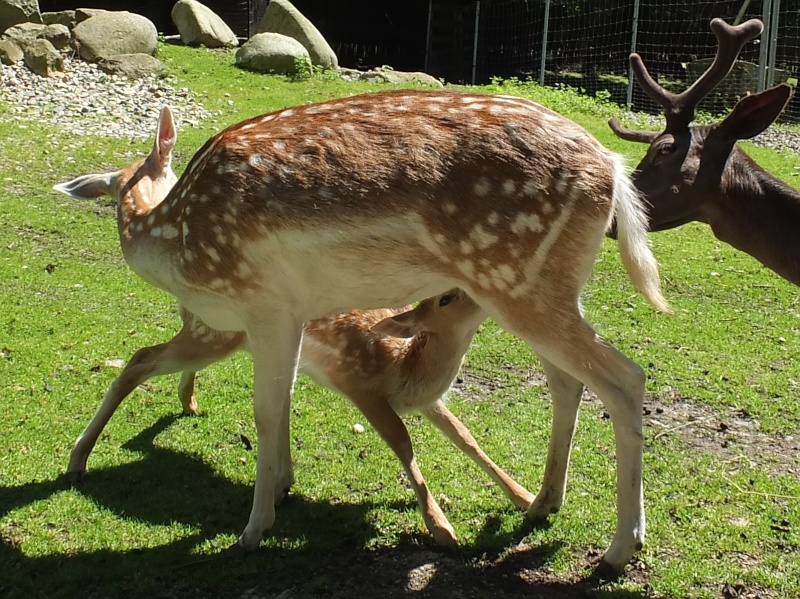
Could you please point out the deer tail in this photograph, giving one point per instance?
(634, 249)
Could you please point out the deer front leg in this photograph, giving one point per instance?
(275, 347)
(459, 435)
(394, 432)
(566, 394)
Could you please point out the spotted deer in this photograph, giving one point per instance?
(697, 173)
(382, 199)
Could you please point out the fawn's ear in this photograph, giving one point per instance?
(397, 326)
(166, 136)
(88, 186)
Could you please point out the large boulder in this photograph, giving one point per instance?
(43, 59)
(110, 33)
(282, 17)
(272, 53)
(131, 66)
(13, 12)
(198, 25)
(26, 33)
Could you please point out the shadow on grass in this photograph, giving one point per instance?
(317, 549)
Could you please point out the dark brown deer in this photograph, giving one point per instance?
(699, 174)
(382, 199)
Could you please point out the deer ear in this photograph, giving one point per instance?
(397, 326)
(166, 136)
(755, 112)
(88, 186)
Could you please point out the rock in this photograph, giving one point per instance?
(272, 53)
(198, 25)
(62, 17)
(282, 17)
(13, 12)
(389, 76)
(43, 59)
(82, 14)
(111, 33)
(10, 52)
(26, 33)
(131, 66)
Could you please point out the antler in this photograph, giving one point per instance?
(679, 108)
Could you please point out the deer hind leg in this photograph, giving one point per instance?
(275, 346)
(394, 432)
(459, 435)
(186, 392)
(184, 352)
(566, 393)
(574, 348)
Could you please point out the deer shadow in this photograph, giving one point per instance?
(320, 549)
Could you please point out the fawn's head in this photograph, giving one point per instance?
(451, 314)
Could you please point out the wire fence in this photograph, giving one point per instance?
(586, 44)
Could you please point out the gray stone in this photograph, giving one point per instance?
(26, 33)
(13, 12)
(110, 33)
(43, 59)
(62, 17)
(10, 52)
(81, 14)
(131, 66)
(198, 25)
(272, 53)
(282, 17)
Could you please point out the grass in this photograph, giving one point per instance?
(166, 494)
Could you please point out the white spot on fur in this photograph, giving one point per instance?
(527, 222)
(482, 238)
(467, 267)
(169, 232)
(481, 187)
(449, 207)
(509, 187)
(466, 247)
(212, 253)
(493, 219)
(155, 232)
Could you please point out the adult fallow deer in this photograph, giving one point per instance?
(699, 174)
(385, 198)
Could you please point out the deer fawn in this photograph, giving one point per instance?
(698, 173)
(382, 199)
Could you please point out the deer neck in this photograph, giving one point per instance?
(433, 360)
(760, 215)
(146, 241)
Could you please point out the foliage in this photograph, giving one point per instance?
(166, 494)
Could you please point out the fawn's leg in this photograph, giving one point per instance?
(459, 435)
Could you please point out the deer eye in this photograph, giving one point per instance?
(665, 148)
(445, 299)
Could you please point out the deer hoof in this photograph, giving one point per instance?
(605, 571)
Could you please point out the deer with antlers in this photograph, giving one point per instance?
(382, 199)
(699, 174)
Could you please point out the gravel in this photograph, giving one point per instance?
(87, 101)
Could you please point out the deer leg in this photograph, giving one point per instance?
(186, 392)
(394, 432)
(285, 478)
(184, 352)
(275, 347)
(566, 392)
(575, 348)
(460, 436)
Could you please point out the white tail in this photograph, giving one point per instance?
(385, 198)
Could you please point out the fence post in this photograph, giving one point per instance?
(763, 51)
(544, 41)
(773, 41)
(475, 41)
(634, 40)
(428, 36)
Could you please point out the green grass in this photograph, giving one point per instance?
(166, 494)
